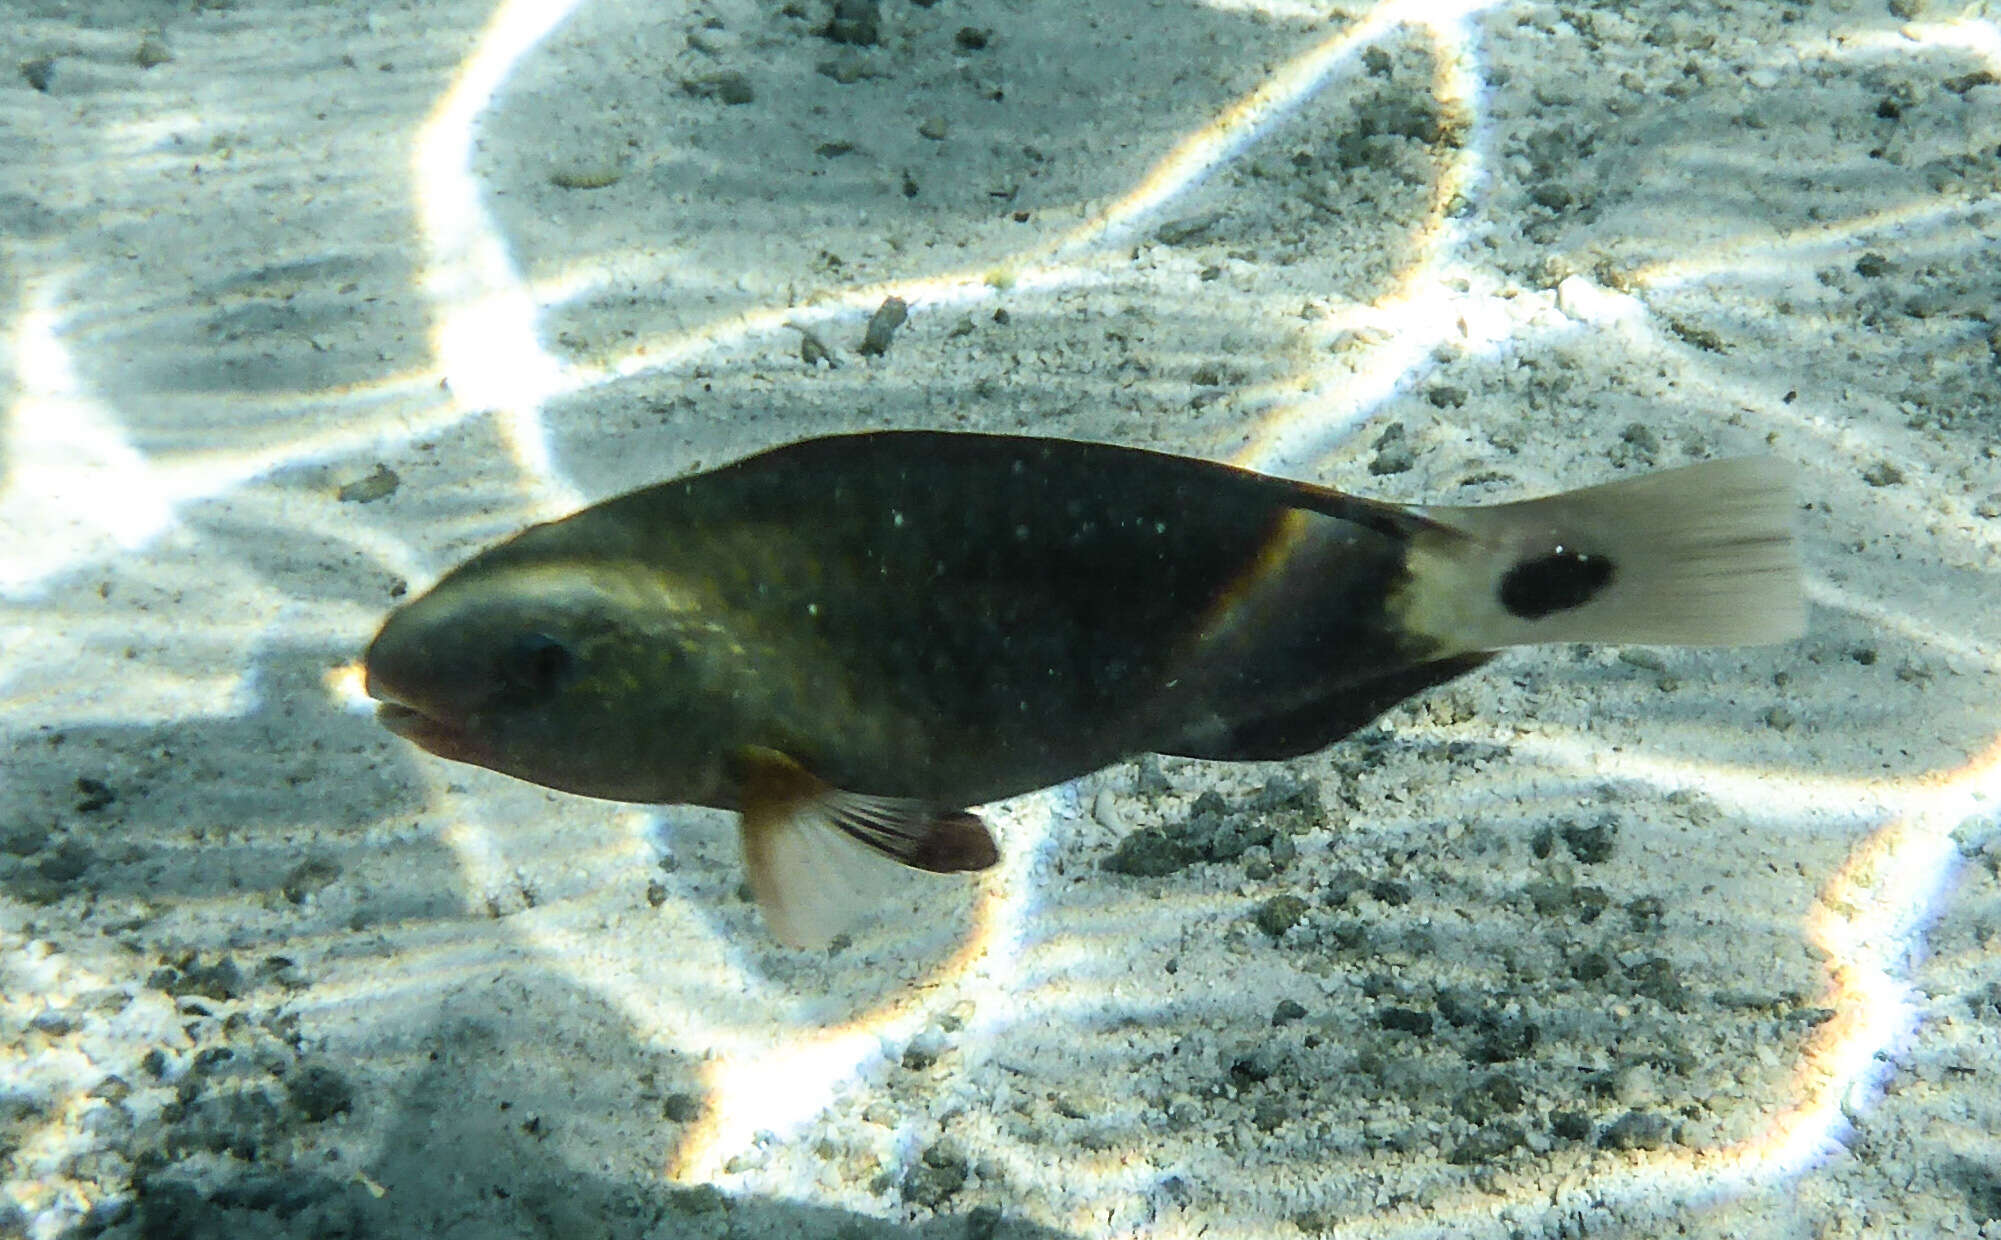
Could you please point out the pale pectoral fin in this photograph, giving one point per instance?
(821, 859)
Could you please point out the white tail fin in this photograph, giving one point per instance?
(1701, 556)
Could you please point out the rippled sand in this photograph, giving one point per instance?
(299, 305)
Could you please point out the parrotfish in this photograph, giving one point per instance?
(852, 641)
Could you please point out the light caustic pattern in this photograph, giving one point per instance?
(758, 1085)
(486, 348)
(1867, 919)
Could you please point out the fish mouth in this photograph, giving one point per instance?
(428, 732)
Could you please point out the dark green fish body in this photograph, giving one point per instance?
(922, 622)
(962, 618)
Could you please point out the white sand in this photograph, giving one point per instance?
(268, 971)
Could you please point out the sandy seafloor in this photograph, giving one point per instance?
(304, 302)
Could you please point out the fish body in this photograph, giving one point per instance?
(852, 639)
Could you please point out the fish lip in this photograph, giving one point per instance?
(399, 718)
(427, 732)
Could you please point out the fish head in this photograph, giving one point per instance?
(572, 675)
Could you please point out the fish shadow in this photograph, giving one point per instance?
(534, 1111)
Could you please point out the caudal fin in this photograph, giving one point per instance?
(1700, 556)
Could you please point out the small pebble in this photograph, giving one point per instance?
(1105, 808)
(1488, 1144)
(1570, 1125)
(1150, 852)
(882, 327)
(381, 483)
(1646, 912)
(1491, 1097)
(93, 795)
(1390, 891)
(855, 22)
(308, 877)
(1696, 334)
(1187, 228)
(939, 1175)
(1641, 437)
(848, 69)
(1507, 1039)
(1635, 1130)
(1633, 1085)
(812, 349)
(319, 1092)
(1655, 978)
(924, 1050)
(53, 1022)
(1148, 779)
(1591, 845)
(1407, 1020)
(1280, 913)
(1342, 887)
(1395, 459)
(1550, 195)
(590, 176)
(1270, 1113)
(727, 88)
(1591, 966)
(1547, 897)
(1255, 1065)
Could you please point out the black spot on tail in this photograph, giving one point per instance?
(1559, 581)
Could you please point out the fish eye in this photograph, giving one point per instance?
(533, 665)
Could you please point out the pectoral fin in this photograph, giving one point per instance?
(819, 857)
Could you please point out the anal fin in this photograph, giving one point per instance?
(820, 858)
(1324, 720)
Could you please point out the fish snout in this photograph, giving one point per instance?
(393, 665)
